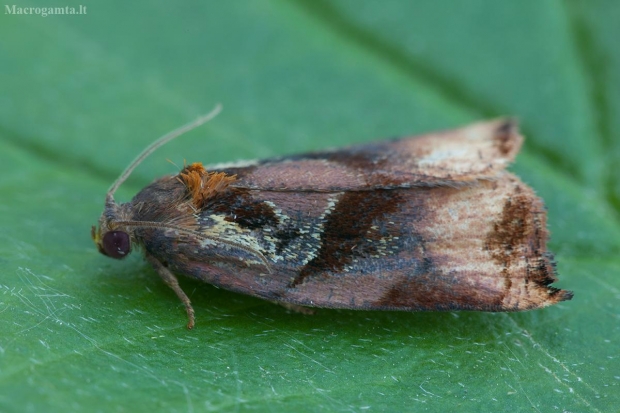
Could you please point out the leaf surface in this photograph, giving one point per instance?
(81, 95)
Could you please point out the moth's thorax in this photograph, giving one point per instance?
(164, 191)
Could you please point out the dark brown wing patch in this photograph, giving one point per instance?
(238, 206)
(352, 230)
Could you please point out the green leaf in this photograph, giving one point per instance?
(81, 95)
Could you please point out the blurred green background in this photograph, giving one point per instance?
(81, 95)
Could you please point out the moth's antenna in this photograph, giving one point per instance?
(159, 142)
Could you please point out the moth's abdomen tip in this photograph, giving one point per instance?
(562, 295)
(552, 296)
(508, 125)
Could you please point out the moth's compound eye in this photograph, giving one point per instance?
(116, 244)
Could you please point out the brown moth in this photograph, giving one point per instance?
(426, 223)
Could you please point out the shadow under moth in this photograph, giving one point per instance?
(426, 223)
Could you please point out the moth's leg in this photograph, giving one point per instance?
(170, 279)
(295, 308)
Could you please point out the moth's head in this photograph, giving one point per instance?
(111, 240)
(113, 237)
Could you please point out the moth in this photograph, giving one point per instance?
(426, 223)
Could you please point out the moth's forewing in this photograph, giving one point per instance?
(427, 223)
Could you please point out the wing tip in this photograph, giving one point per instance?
(506, 137)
